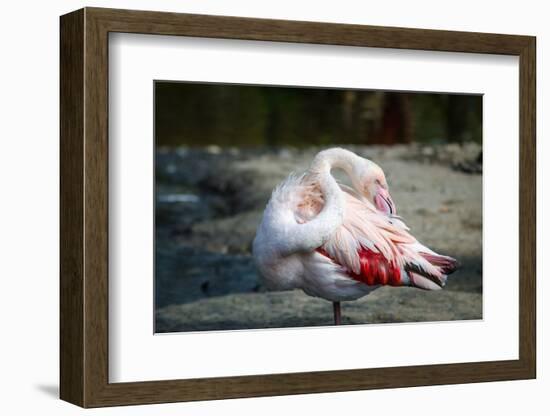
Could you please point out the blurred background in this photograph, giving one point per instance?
(240, 115)
(220, 150)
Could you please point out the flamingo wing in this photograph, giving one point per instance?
(377, 249)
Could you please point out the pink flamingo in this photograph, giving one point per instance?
(340, 243)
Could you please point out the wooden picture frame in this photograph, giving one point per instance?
(84, 207)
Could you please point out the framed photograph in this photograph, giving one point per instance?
(254, 207)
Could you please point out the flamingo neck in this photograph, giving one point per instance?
(331, 216)
(337, 158)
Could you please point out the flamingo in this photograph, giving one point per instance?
(339, 243)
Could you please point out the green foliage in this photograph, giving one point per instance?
(196, 114)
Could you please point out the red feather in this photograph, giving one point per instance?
(375, 268)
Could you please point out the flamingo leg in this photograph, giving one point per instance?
(337, 313)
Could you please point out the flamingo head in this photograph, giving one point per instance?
(370, 179)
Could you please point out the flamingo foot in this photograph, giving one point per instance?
(337, 313)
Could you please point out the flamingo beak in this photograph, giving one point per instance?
(384, 202)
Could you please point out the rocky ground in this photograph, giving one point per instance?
(210, 201)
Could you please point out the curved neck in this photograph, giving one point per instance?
(315, 233)
(339, 158)
(332, 214)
